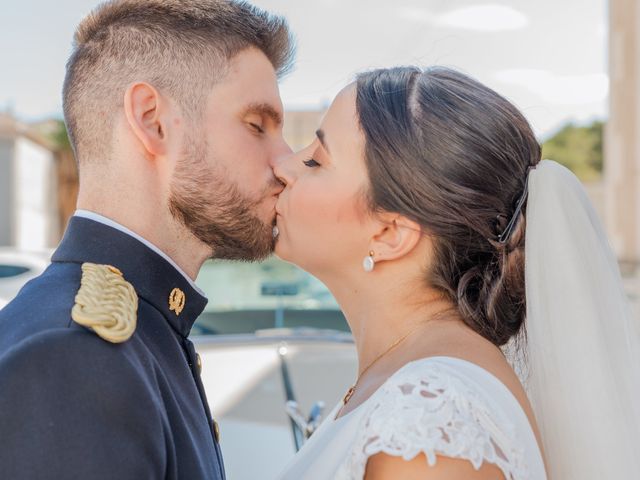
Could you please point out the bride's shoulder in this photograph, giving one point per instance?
(439, 406)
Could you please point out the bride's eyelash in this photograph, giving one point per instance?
(311, 163)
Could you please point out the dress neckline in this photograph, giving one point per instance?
(444, 358)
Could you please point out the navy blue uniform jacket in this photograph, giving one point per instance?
(74, 406)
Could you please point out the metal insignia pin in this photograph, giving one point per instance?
(177, 300)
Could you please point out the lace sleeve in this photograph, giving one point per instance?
(432, 410)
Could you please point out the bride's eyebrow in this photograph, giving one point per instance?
(321, 137)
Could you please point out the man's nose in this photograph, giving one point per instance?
(283, 168)
(279, 163)
(282, 151)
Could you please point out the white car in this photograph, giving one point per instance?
(270, 335)
(17, 268)
(252, 380)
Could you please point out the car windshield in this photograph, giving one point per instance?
(248, 297)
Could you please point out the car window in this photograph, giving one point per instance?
(246, 297)
(7, 271)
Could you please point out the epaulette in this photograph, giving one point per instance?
(106, 303)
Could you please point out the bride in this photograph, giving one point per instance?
(459, 258)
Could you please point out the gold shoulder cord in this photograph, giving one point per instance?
(106, 303)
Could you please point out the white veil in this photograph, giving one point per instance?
(583, 342)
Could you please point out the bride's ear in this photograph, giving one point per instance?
(396, 237)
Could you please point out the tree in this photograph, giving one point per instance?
(59, 135)
(579, 149)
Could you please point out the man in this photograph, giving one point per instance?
(174, 114)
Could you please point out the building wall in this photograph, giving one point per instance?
(300, 127)
(36, 204)
(622, 141)
(6, 192)
(67, 187)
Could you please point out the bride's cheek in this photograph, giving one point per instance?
(308, 200)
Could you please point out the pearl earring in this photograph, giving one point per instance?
(368, 263)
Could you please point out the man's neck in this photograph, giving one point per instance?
(171, 241)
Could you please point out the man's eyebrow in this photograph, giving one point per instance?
(321, 137)
(264, 110)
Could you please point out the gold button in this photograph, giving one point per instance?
(199, 363)
(216, 431)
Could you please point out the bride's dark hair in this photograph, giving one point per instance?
(452, 155)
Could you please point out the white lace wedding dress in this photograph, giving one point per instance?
(437, 406)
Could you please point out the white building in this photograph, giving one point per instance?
(29, 212)
(622, 141)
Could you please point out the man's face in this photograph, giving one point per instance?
(224, 190)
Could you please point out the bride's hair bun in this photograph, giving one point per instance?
(453, 155)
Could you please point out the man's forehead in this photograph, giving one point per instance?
(250, 86)
(250, 68)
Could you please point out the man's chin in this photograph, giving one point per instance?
(233, 227)
(247, 242)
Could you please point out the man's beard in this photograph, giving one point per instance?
(205, 200)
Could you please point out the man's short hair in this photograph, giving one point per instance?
(181, 47)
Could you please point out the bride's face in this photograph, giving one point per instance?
(321, 214)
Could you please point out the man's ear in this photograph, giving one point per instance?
(144, 108)
(396, 237)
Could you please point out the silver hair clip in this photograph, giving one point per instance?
(504, 236)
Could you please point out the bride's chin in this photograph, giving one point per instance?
(282, 251)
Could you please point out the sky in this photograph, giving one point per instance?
(549, 57)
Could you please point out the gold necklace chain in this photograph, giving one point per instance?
(352, 389)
